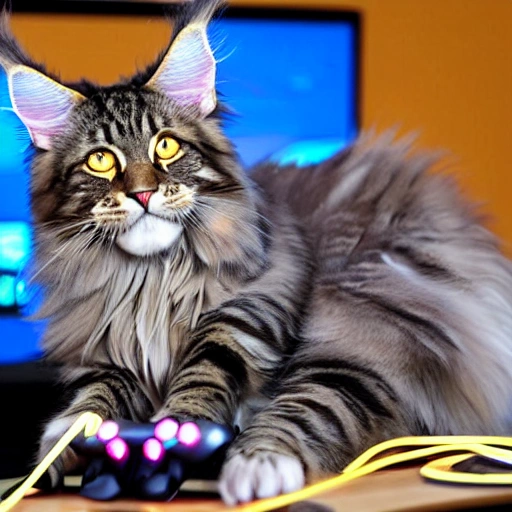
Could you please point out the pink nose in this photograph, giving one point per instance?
(143, 197)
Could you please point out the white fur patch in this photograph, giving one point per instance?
(207, 173)
(264, 475)
(348, 185)
(149, 235)
(56, 428)
(399, 267)
(267, 358)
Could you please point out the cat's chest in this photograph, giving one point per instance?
(149, 332)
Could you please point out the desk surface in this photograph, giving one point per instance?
(393, 490)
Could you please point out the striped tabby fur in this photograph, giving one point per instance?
(322, 309)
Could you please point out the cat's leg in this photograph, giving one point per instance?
(109, 392)
(328, 410)
(363, 373)
(232, 353)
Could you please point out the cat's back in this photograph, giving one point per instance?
(377, 187)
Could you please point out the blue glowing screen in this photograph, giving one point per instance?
(291, 85)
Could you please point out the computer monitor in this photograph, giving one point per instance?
(289, 76)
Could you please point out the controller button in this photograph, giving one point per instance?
(153, 450)
(117, 449)
(166, 429)
(170, 443)
(107, 431)
(189, 434)
(216, 437)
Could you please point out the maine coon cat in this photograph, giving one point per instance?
(321, 309)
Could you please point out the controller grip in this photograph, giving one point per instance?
(163, 484)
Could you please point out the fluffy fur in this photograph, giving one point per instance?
(321, 309)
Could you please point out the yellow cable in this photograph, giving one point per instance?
(360, 467)
(87, 422)
(403, 442)
(440, 469)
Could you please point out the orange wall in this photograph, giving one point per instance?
(442, 68)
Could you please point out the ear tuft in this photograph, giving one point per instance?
(187, 72)
(42, 104)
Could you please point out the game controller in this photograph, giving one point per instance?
(150, 460)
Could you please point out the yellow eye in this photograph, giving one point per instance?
(167, 148)
(101, 161)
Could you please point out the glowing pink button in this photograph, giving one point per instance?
(107, 431)
(189, 434)
(166, 429)
(117, 449)
(153, 449)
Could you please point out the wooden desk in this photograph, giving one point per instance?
(394, 490)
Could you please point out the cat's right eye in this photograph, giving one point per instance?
(102, 164)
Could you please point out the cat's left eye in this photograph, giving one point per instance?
(166, 150)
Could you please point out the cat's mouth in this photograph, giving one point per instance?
(149, 234)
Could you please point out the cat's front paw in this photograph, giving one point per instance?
(262, 475)
(65, 462)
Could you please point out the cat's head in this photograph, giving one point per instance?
(137, 166)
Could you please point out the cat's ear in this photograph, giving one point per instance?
(187, 71)
(42, 104)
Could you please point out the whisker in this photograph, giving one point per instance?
(191, 217)
(66, 245)
(70, 227)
